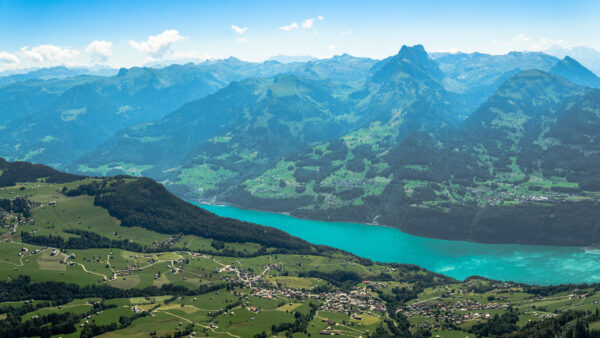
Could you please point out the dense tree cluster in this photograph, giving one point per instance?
(300, 323)
(145, 203)
(20, 172)
(45, 325)
(22, 288)
(84, 240)
(93, 329)
(340, 278)
(497, 325)
(19, 205)
(573, 324)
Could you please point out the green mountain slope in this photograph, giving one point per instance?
(238, 131)
(515, 171)
(403, 94)
(479, 75)
(213, 144)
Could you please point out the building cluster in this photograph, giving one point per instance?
(451, 312)
(331, 301)
(498, 197)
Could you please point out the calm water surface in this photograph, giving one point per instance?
(522, 263)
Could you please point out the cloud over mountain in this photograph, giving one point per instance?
(8, 58)
(157, 45)
(99, 50)
(48, 53)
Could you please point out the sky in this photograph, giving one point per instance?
(131, 33)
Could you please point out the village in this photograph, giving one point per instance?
(455, 312)
(494, 197)
(356, 298)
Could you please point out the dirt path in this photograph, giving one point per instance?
(83, 267)
(114, 276)
(199, 324)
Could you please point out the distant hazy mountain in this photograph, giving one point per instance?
(133, 96)
(291, 58)
(344, 68)
(479, 75)
(573, 71)
(588, 57)
(20, 99)
(59, 72)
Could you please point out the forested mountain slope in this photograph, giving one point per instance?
(217, 142)
(515, 163)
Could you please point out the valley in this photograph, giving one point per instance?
(130, 280)
(452, 147)
(299, 169)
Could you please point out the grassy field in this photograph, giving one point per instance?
(271, 282)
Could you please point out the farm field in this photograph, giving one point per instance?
(145, 283)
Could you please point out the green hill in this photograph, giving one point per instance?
(122, 256)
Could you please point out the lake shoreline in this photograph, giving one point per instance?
(226, 204)
(529, 264)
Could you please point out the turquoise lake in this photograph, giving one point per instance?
(521, 263)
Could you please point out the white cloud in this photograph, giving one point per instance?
(241, 40)
(48, 53)
(8, 58)
(308, 23)
(239, 30)
(100, 50)
(157, 45)
(332, 47)
(347, 32)
(289, 27)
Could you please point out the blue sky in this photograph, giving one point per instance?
(127, 33)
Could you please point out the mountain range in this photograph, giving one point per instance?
(459, 146)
